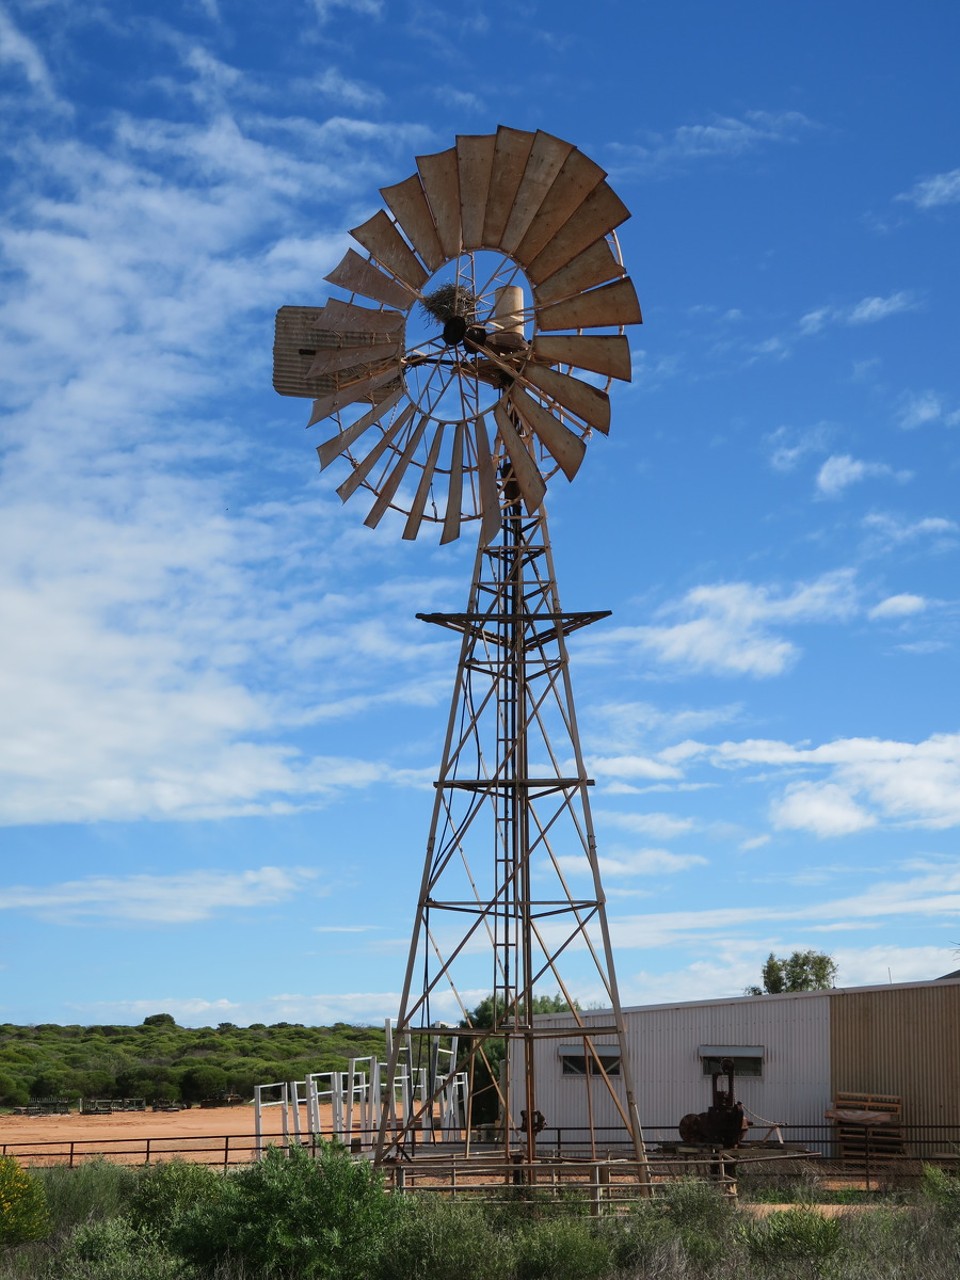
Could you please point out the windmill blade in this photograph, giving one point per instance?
(600, 212)
(363, 469)
(511, 152)
(451, 519)
(607, 353)
(595, 265)
(412, 527)
(333, 447)
(474, 163)
(578, 177)
(380, 237)
(487, 485)
(588, 403)
(353, 355)
(392, 482)
(347, 316)
(362, 389)
(409, 206)
(545, 161)
(564, 446)
(525, 471)
(440, 177)
(611, 304)
(357, 275)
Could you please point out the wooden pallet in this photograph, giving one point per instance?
(870, 1140)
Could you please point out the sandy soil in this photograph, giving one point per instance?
(207, 1134)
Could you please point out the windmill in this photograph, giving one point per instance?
(470, 363)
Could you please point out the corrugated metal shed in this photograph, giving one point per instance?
(899, 1039)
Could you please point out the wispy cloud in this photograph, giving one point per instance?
(931, 193)
(904, 605)
(734, 629)
(918, 409)
(860, 782)
(188, 898)
(868, 310)
(20, 54)
(891, 530)
(721, 138)
(841, 470)
(787, 447)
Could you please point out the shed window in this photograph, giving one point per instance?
(747, 1058)
(575, 1062)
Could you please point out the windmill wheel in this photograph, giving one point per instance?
(454, 362)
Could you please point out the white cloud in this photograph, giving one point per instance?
(918, 409)
(840, 471)
(631, 766)
(663, 826)
(333, 84)
(728, 628)
(899, 606)
(642, 862)
(823, 808)
(931, 193)
(866, 781)
(325, 9)
(894, 531)
(723, 138)
(146, 899)
(21, 53)
(868, 310)
(787, 447)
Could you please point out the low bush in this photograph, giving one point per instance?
(292, 1214)
(165, 1192)
(561, 1249)
(92, 1192)
(23, 1204)
(444, 1240)
(113, 1249)
(793, 1235)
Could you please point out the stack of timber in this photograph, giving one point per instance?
(868, 1128)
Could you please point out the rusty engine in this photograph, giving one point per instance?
(723, 1124)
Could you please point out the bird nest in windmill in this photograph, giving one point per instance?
(450, 300)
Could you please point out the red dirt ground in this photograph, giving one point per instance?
(197, 1133)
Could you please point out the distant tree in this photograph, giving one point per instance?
(487, 1068)
(201, 1082)
(800, 971)
(160, 1020)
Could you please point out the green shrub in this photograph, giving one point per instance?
(432, 1239)
(166, 1191)
(23, 1205)
(95, 1190)
(562, 1249)
(793, 1234)
(292, 1215)
(115, 1250)
(941, 1190)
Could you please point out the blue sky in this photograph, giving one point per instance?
(221, 717)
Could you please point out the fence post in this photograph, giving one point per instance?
(226, 1151)
(71, 1156)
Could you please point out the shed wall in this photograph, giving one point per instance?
(905, 1041)
(663, 1045)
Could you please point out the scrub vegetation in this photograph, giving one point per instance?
(293, 1217)
(161, 1062)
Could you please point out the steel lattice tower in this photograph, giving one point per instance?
(511, 830)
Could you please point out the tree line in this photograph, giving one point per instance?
(160, 1061)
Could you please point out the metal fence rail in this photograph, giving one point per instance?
(564, 1156)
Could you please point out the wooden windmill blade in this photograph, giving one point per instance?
(440, 331)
